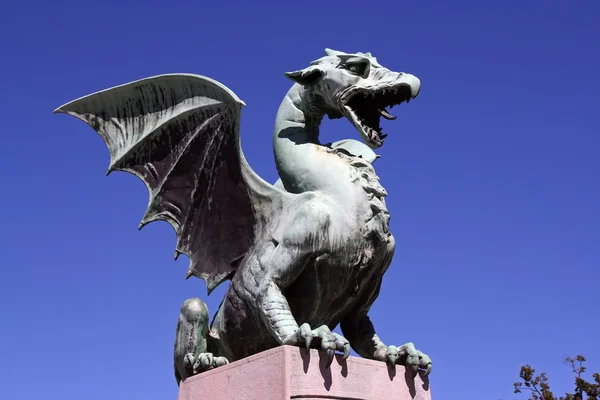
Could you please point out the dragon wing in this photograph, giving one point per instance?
(179, 133)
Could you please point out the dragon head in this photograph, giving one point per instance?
(355, 86)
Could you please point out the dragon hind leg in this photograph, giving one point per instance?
(191, 356)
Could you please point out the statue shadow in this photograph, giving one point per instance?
(327, 377)
(323, 368)
(409, 378)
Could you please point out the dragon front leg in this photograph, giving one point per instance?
(191, 356)
(283, 265)
(285, 329)
(359, 330)
(361, 333)
(364, 340)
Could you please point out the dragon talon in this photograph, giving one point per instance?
(308, 341)
(219, 362)
(391, 355)
(413, 360)
(330, 355)
(425, 364)
(428, 370)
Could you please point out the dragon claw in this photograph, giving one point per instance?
(412, 359)
(220, 361)
(306, 335)
(391, 355)
(342, 344)
(203, 362)
(328, 341)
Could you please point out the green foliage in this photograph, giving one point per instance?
(539, 389)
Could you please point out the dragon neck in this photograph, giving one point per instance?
(305, 165)
(296, 142)
(302, 162)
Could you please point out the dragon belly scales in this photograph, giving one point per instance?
(289, 261)
(376, 225)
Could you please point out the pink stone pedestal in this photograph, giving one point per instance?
(290, 373)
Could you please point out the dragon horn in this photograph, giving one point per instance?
(331, 52)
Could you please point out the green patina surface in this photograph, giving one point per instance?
(305, 254)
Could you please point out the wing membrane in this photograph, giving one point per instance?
(179, 134)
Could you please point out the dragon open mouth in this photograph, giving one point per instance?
(366, 107)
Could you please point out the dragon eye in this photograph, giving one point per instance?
(358, 68)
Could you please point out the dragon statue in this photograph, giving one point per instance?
(303, 255)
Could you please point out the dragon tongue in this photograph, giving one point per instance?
(385, 114)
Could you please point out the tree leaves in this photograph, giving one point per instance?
(539, 388)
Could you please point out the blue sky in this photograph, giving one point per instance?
(492, 173)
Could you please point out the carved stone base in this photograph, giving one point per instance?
(290, 373)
